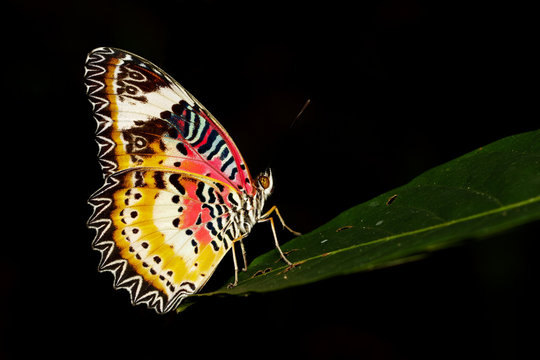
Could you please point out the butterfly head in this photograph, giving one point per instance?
(265, 183)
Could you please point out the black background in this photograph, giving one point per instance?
(396, 87)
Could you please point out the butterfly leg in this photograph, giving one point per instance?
(235, 267)
(276, 240)
(239, 239)
(244, 258)
(275, 209)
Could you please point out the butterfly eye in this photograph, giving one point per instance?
(264, 181)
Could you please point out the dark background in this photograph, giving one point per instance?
(396, 87)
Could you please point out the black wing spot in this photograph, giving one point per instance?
(211, 196)
(158, 178)
(231, 199)
(181, 149)
(175, 180)
(199, 191)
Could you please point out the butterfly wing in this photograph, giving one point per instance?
(161, 233)
(172, 177)
(146, 119)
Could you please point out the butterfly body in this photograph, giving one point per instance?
(177, 193)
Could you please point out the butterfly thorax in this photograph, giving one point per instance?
(250, 210)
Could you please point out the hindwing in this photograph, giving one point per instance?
(162, 234)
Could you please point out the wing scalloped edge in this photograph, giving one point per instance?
(94, 67)
(124, 276)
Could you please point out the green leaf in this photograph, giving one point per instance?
(489, 190)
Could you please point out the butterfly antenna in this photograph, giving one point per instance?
(300, 113)
(279, 143)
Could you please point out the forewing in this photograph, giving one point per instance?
(146, 119)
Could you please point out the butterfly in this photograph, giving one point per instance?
(177, 195)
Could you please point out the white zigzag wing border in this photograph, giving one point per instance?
(95, 67)
(111, 261)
